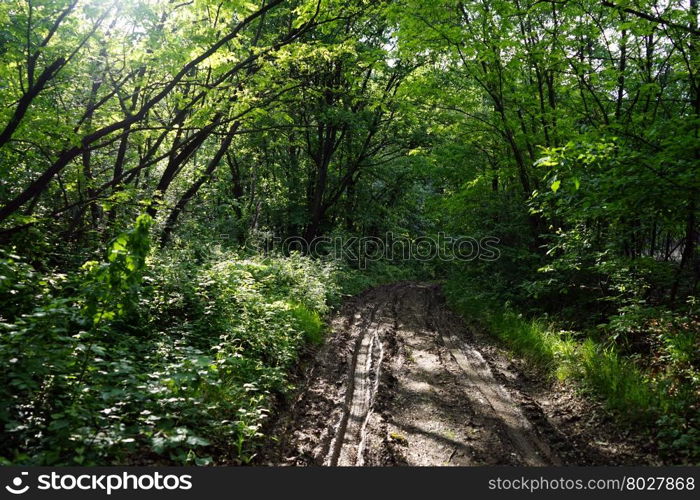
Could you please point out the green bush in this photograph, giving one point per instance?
(146, 358)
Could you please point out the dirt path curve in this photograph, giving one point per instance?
(402, 381)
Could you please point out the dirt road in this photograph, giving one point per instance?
(403, 381)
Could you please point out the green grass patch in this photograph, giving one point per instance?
(623, 386)
(309, 322)
(553, 350)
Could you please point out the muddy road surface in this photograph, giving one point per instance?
(403, 381)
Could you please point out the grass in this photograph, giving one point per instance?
(309, 322)
(553, 350)
(623, 386)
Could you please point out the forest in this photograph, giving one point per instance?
(175, 176)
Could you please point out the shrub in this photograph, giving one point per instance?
(143, 358)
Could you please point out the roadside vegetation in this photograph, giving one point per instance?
(174, 358)
(659, 395)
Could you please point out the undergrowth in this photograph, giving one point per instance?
(152, 358)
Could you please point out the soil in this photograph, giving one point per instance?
(404, 381)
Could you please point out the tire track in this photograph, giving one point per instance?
(348, 443)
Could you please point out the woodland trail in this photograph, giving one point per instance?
(403, 381)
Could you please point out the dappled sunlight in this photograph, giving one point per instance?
(226, 228)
